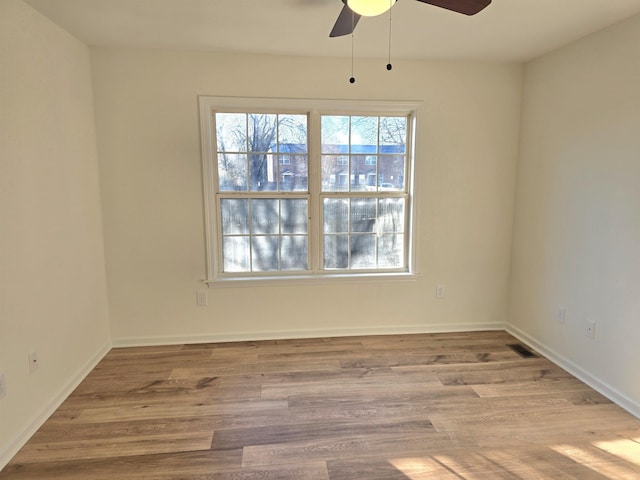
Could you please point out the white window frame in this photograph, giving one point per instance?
(314, 108)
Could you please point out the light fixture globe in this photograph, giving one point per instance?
(370, 8)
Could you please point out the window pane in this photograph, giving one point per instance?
(235, 252)
(363, 175)
(294, 253)
(292, 133)
(391, 215)
(363, 214)
(391, 251)
(264, 216)
(335, 134)
(336, 251)
(232, 172)
(261, 170)
(264, 253)
(294, 175)
(234, 216)
(373, 233)
(263, 128)
(335, 173)
(363, 251)
(364, 134)
(231, 132)
(335, 214)
(294, 216)
(393, 133)
(257, 245)
(391, 173)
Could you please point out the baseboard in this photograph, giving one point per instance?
(600, 386)
(320, 333)
(21, 439)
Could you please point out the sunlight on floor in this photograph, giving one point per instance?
(477, 466)
(613, 459)
(598, 460)
(626, 449)
(423, 468)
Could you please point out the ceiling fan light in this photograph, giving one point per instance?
(370, 8)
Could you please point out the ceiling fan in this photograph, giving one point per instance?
(348, 18)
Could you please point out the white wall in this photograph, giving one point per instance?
(52, 274)
(577, 228)
(150, 170)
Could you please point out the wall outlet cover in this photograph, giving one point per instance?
(201, 298)
(590, 330)
(33, 362)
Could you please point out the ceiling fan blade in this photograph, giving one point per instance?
(346, 23)
(467, 7)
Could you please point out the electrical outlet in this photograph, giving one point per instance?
(561, 314)
(33, 362)
(3, 386)
(201, 298)
(440, 290)
(590, 330)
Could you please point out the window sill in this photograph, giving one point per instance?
(317, 279)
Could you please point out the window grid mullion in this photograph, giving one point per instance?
(315, 208)
(376, 234)
(279, 231)
(248, 156)
(250, 225)
(349, 229)
(378, 164)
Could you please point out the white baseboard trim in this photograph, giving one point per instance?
(320, 333)
(600, 386)
(21, 439)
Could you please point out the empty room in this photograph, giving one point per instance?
(319, 239)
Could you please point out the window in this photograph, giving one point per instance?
(296, 190)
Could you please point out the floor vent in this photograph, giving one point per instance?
(521, 350)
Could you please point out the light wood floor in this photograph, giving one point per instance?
(443, 406)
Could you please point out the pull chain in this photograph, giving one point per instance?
(353, 21)
(389, 66)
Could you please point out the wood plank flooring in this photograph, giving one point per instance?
(438, 406)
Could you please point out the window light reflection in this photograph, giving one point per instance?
(626, 449)
(596, 460)
(422, 469)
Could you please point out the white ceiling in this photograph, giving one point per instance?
(507, 30)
